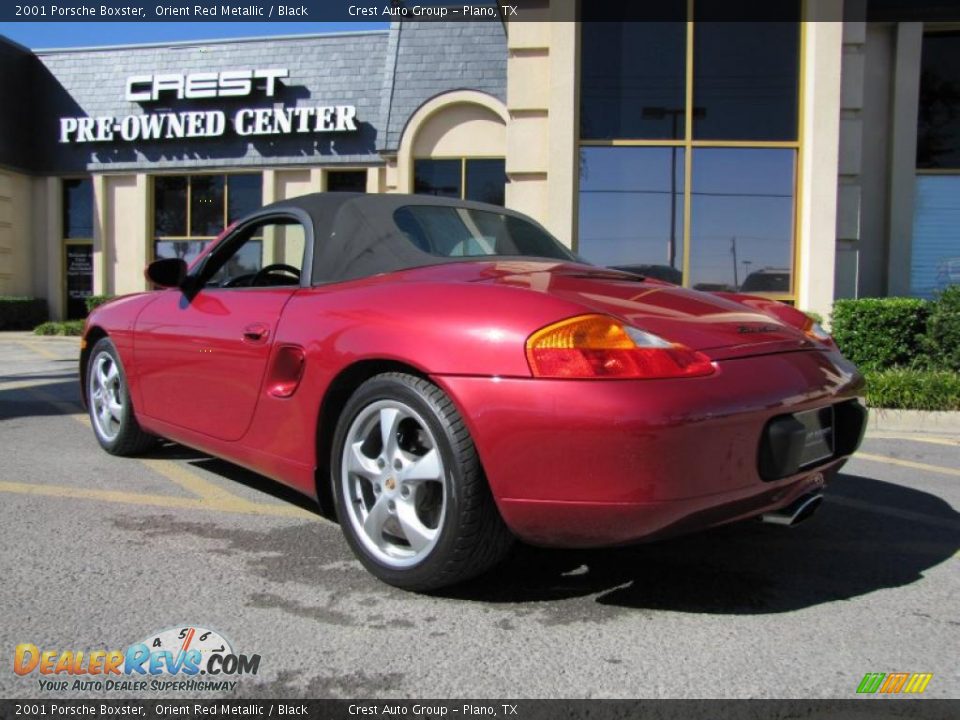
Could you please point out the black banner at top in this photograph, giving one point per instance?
(477, 10)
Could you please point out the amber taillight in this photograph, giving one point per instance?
(598, 346)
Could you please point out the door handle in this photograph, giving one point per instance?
(256, 332)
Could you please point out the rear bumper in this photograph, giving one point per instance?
(585, 524)
(588, 463)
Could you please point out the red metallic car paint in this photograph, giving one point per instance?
(650, 452)
(200, 364)
(570, 462)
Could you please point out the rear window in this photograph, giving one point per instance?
(455, 232)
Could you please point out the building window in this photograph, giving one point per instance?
(935, 261)
(938, 127)
(78, 209)
(689, 138)
(480, 179)
(618, 185)
(628, 70)
(741, 234)
(191, 210)
(77, 204)
(347, 181)
(745, 80)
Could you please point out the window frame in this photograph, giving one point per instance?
(328, 171)
(464, 159)
(205, 239)
(690, 145)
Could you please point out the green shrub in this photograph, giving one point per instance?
(68, 327)
(21, 313)
(913, 389)
(815, 316)
(943, 330)
(96, 300)
(880, 333)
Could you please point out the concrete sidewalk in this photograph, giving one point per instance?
(914, 421)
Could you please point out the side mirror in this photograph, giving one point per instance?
(167, 273)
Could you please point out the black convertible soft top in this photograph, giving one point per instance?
(357, 235)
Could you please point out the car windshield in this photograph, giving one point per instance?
(467, 232)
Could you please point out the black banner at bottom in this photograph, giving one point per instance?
(858, 709)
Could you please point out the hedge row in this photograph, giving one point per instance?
(887, 333)
(913, 389)
(67, 327)
(21, 313)
(942, 343)
(96, 300)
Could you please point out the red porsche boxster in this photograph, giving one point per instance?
(447, 377)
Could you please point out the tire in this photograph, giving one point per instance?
(109, 405)
(413, 501)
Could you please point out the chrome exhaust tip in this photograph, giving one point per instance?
(796, 512)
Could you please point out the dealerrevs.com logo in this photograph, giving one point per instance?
(187, 659)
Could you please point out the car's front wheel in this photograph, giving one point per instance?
(411, 495)
(109, 403)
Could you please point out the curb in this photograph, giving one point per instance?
(28, 335)
(913, 421)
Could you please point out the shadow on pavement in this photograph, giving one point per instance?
(868, 535)
(233, 473)
(256, 482)
(847, 549)
(19, 402)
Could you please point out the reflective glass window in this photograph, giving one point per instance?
(746, 80)
(347, 181)
(631, 209)
(245, 192)
(742, 220)
(633, 79)
(938, 130)
(170, 206)
(206, 205)
(78, 208)
(437, 177)
(486, 179)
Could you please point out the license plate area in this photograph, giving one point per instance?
(796, 442)
(818, 442)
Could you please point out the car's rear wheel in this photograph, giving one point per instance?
(109, 404)
(411, 495)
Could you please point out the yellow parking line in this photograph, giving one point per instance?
(119, 496)
(195, 484)
(191, 482)
(932, 440)
(42, 351)
(908, 464)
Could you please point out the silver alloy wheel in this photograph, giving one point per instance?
(393, 483)
(105, 394)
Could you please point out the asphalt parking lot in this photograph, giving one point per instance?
(100, 552)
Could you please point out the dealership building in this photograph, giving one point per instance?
(804, 160)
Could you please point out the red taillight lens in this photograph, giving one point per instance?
(596, 346)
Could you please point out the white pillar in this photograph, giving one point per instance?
(819, 160)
